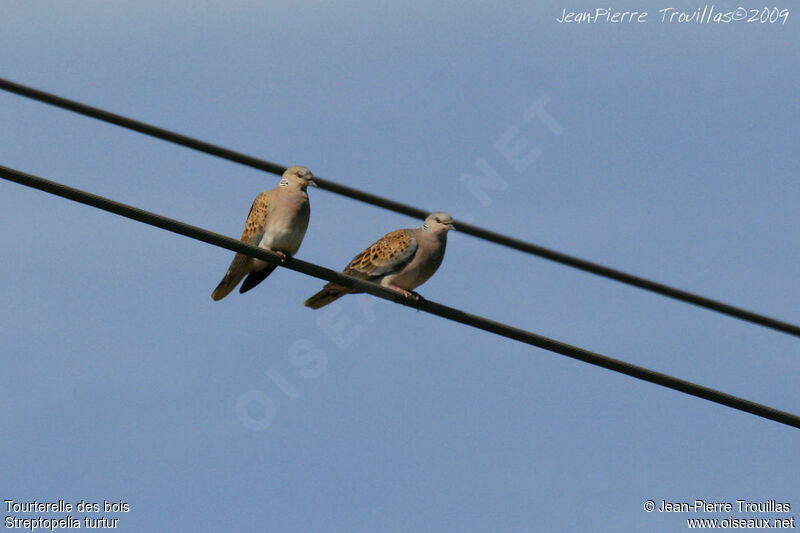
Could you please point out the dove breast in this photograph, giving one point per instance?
(287, 222)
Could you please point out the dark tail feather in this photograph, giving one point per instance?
(255, 277)
(328, 294)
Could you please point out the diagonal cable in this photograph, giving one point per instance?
(428, 306)
(379, 201)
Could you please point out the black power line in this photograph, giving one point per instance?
(428, 306)
(476, 231)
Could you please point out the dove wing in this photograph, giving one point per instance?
(253, 231)
(390, 254)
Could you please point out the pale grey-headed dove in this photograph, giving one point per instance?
(277, 221)
(401, 260)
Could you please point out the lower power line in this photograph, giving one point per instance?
(428, 306)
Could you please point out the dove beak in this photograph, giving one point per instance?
(451, 226)
(313, 183)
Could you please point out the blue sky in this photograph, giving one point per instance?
(675, 159)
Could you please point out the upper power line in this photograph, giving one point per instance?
(356, 194)
(428, 306)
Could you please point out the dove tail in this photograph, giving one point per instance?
(228, 283)
(225, 286)
(328, 294)
(232, 277)
(255, 277)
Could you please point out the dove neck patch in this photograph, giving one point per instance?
(425, 227)
(283, 183)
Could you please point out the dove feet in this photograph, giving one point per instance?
(408, 294)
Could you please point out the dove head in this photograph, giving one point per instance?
(297, 177)
(438, 223)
